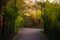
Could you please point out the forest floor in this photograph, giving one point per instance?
(30, 34)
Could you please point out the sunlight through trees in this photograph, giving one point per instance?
(16, 14)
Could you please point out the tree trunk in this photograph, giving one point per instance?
(0, 19)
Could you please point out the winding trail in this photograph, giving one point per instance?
(30, 34)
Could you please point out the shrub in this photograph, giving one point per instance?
(51, 19)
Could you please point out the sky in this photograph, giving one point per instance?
(42, 0)
(48, 0)
(58, 0)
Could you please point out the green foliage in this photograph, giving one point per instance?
(51, 18)
(18, 20)
(11, 12)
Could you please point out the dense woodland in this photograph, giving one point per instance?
(16, 14)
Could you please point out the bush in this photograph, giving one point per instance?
(51, 19)
(10, 13)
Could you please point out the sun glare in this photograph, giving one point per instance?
(50, 1)
(44, 0)
(33, 0)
